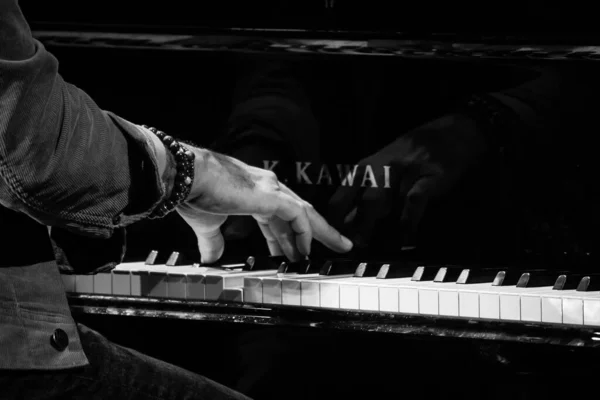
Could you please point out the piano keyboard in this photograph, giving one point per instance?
(403, 288)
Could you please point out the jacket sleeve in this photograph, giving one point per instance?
(64, 161)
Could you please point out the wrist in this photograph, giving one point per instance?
(202, 177)
(176, 165)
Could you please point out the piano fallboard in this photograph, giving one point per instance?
(414, 326)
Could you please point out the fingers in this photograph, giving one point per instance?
(272, 243)
(211, 246)
(207, 228)
(327, 234)
(306, 223)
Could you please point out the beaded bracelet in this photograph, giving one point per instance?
(184, 177)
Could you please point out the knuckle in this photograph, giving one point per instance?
(271, 175)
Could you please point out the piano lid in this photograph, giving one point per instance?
(531, 21)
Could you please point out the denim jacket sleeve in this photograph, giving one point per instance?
(64, 161)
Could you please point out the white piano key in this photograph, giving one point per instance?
(312, 290)
(232, 295)
(552, 308)
(124, 281)
(489, 305)
(68, 282)
(591, 310)
(428, 301)
(103, 283)
(271, 290)
(349, 296)
(449, 302)
(84, 284)
(185, 282)
(572, 310)
(389, 300)
(153, 280)
(368, 296)
(121, 282)
(329, 295)
(404, 290)
(216, 283)
(253, 289)
(291, 291)
(468, 304)
(409, 300)
(532, 302)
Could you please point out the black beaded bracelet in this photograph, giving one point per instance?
(184, 178)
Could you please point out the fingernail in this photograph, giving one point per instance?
(347, 243)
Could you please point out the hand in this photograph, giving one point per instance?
(226, 186)
(424, 163)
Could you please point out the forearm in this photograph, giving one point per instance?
(65, 161)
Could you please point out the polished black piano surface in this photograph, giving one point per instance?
(368, 79)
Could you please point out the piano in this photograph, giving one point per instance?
(504, 283)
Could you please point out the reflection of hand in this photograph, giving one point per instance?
(423, 163)
(226, 186)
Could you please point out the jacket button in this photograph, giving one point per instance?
(59, 340)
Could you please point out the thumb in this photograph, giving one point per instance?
(211, 245)
(207, 228)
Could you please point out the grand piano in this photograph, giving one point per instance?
(499, 296)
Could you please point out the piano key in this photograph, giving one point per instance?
(186, 282)
(430, 272)
(256, 263)
(567, 281)
(84, 284)
(233, 295)
(425, 273)
(368, 269)
(178, 259)
(253, 289)
(511, 276)
(103, 283)
(470, 276)
(68, 282)
(338, 267)
(396, 270)
(538, 278)
(323, 286)
(302, 267)
(216, 283)
(448, 274)
(288, 289)
(589, 283)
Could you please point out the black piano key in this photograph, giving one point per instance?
(156, 257)
(478, 275)
(176, 258)
(367, 269)
(425, 273)
(589, 283)
(511, 276)
(338, 267)
(531, 279)
(568, 281)
(301, 267)
(263, 263)
(396, 270)
(448, 273)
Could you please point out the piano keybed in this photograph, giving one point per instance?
(405, 288)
